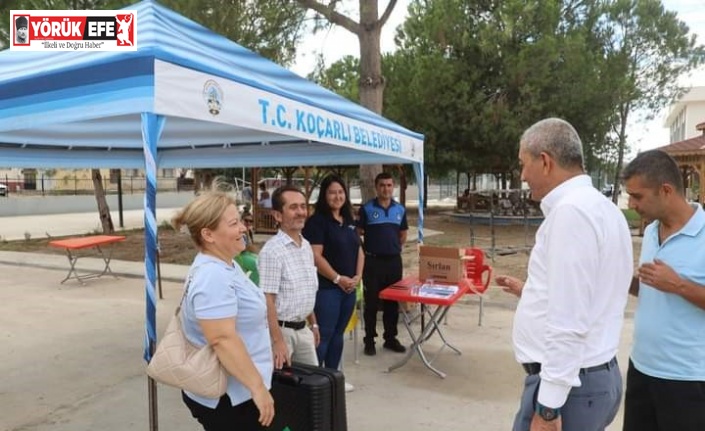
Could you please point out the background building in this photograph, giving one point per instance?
(685, 114)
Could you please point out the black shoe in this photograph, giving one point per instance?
(370, 349)
(394, 345)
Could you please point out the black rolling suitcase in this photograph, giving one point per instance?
(308, 398)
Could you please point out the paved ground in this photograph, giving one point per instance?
(39, 226)
(71, 361)
(72, 355)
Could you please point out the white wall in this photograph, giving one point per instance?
(685, 114)
(695, 114)
(677, 128)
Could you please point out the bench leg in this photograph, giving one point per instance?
(419, 340)
(72, 269)
(482, 310)
(106, 260)
(73, 258)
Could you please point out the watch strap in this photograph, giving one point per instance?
(547, 413)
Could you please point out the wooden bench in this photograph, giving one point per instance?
(463, 203)
(97, 242)
(264, 221)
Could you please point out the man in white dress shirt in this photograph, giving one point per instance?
(570, 313)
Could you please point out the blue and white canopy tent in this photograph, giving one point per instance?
(186, 98)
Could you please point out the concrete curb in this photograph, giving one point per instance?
(121, 268)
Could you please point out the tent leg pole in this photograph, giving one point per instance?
(159, 272)
(153, 405)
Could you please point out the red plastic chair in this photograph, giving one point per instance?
(475, 270)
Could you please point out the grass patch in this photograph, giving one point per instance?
(633, 217)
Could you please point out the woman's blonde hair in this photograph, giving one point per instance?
(204, 212)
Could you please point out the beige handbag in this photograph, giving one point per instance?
(176, 362)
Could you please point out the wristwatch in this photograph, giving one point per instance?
(548, 414)
(336, 280)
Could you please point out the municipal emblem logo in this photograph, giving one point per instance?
(375, 215)
(213, 96)
(399, 217)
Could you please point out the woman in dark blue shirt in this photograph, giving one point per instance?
(339, 259)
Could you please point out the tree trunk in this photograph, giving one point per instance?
(402, 185)
(515, 181)
(620, 153)
(202, 179)
(307, 183)
(367, 181)
(289, 174)
(457, 183)
(371, 83)
(103, 210)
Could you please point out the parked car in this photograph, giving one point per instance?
(607, 190)
(3, 189)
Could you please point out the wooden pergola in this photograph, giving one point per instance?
(690, 156)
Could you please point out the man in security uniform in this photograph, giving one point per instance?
(382, 221)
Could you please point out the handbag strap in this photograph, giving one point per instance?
(189, 277)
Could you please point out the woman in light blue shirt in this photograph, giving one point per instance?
(225, 309)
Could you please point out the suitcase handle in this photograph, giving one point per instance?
(287, 376)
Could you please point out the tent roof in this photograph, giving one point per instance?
(83, 109)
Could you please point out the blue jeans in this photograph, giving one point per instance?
(333, 310)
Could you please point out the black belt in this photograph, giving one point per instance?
(535, 368)
(292, 325)
(381, 256)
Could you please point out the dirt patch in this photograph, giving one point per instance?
(175, 247)
(510, 243)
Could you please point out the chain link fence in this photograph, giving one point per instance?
(70, 185)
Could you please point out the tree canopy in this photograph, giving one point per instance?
(472, 76)
(371, 82)
(650, 49)
(487, 70)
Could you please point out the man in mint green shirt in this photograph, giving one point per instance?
(248, 262)
(248, 258)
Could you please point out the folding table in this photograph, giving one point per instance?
(433, 307)
(72, 245)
